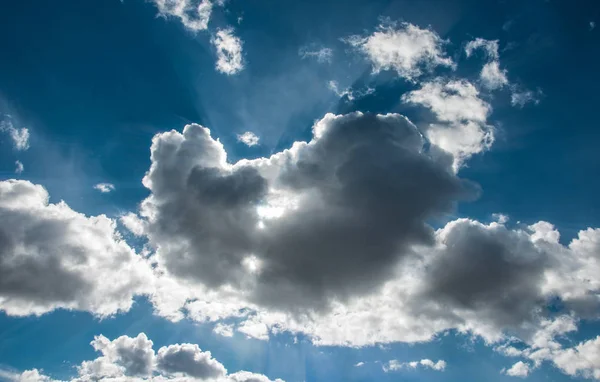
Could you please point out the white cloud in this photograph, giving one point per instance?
(395, 365)
(132, 359)
(223, 330)
(19, 168)
(322, 55)
(104, 187)
(462, 129)
(248, 138)
(348, 93)
(194, 16)
(20, 137)
(519, 369)
(359, 364)
(229, 52)
(491, 76)
(86, 265)
(406, 49)
(592, 25)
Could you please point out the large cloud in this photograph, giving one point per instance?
(324, 220)
(53, 257)
(132, 359)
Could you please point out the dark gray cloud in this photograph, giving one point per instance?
(188, 359)
(362, 189)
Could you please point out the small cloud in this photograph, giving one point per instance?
(223, 330)
(395, 365)
(592, 25)
(359, 364)
(20, 137)
(248, 138)
(19, 167)
(105, 187)
(229, 52)
(500, 218)
(350, 94)
(322, 55)
(520, 98)
(519, 369)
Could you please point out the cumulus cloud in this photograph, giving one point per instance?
(188, 359)
(19, 168)
(132, 359)
(223, 330)
(320, 219)
(519, 369)
(104, 187)
(192, 14)
(52, 256)
(229, 52)
(248, 138)
(322, 55)
(405, 48)
(462, 129)
(19, 136)
(395, 365)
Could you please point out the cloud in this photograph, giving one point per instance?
(320, 219)
(229, 52)
(462, 129)
(359, 364)
(395, 365)
(520, 98)
(248, 138)
(519, 369)
(406, 49)
(348, 93)
(104, 187)
(189, 360)
(491, 76)
(19, 136)
(223, 330)
(19, 168)
(132, 359)
(322, 55)
(53, 257)
(592, 25)
(194, 16)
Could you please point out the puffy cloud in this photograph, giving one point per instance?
(19, 168)
(192, 14)
(519, 369)
(53, 257)
(491, 76)
(19, 136)
(104, 187)
(229, 52)
(359, 364)
(188, 359)
(582, 360)
(132, 359)
(322, 55)
(395, 365)
(406, 49)
(248, 138)
(223, 330)
(462, 128)
(320, 220)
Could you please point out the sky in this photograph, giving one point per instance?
(268, 191)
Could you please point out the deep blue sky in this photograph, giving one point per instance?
(95, 80)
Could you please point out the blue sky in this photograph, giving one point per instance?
(441, 225)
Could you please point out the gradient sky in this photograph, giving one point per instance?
(424, 248)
